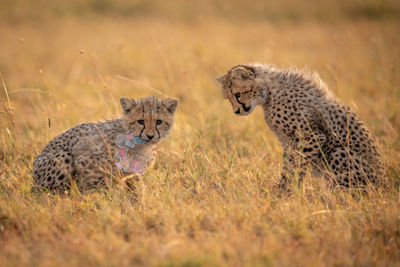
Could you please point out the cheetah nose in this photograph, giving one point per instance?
(150, 136)
(237, 111)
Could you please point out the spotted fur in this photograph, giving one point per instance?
(315, 128)
(85, 153)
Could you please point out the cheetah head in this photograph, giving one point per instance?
(239, 86)
(149, 118)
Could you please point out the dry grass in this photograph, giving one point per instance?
(210, 198)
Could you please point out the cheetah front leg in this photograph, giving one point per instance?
(291, 170)
(307, 152)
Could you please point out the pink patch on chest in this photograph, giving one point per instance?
(129, 165)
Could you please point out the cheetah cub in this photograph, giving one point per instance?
(90, 153)
(315, 129)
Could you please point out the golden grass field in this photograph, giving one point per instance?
(211, 197)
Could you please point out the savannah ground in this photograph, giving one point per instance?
(211, 197)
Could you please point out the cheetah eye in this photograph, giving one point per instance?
(158, 122)
(237, 95)
(140, 122)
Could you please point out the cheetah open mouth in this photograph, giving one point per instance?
(246, 109)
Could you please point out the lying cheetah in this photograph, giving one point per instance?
(90, 152)
(315, 129)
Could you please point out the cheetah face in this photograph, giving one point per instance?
(239, 87)
(149, 118)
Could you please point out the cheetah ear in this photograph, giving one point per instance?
(171, 104)
(242, 73)
(221, 79)
(127, 104)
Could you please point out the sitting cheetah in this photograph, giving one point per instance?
(315, 129)
(90, 152)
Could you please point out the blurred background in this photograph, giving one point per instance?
(191, 11)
